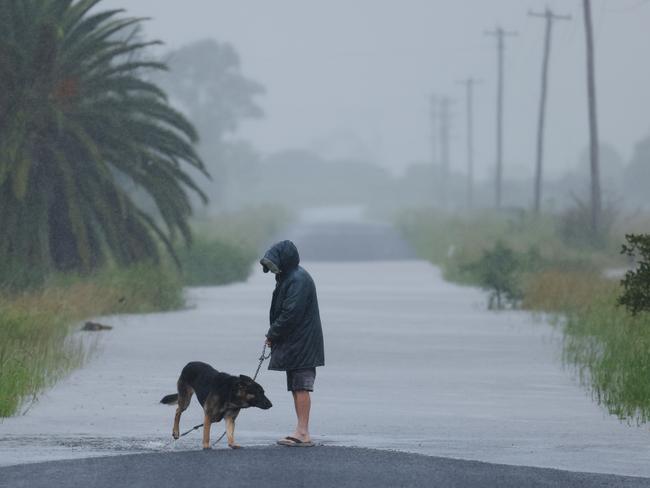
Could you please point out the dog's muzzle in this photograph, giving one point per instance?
(265, 404)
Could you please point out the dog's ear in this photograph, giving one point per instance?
(246, 379)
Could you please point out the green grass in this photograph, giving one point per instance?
(37, 346)
(611, 352)
(34, 352)
(607, 347)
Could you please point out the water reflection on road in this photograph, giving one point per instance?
(413, 363)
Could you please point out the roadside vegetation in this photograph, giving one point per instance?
(37, 341)
(99, 177)
(39, 338)
(226, 247)
(553, 264)
(81, 127)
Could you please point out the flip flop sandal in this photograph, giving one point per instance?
(286, 441)
(293, 442)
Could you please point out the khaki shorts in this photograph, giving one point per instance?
(301, 379)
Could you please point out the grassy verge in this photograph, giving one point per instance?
(452, 241)
(36, 344)
(607, 347)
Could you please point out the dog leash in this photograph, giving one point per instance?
(263, 357)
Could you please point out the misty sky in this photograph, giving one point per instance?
(353, 77)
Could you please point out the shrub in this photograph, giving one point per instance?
(498, 271)
(213, 262)
(636, 284)
(226, 245)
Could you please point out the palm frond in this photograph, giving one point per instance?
(78, 122)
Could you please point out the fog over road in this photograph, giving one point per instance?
(412, 363)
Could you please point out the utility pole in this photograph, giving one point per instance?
(500, 35)
(469, 84)
(445, 124)
(433, 121)
(596, 205)
(550, 17)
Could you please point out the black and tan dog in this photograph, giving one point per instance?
(221, 395)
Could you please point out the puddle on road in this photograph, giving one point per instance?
(19, 450)
(31, 449)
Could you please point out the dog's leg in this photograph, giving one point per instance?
(177, 423)
(207, 423)
(230, 432)
(184, 396)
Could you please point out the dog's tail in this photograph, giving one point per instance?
(170, 399)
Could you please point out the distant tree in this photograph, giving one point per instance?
(76, 119)
(240, 171)
(574, 225)
(415, 184)
(612, 167)
(413, 188)
(636, 284)
(206, 83)
(574, 185)
(301, 177)
(637, 173)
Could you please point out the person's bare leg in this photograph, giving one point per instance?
(302, 402)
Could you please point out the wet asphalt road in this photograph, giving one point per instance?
(413, 364)
(282, 467)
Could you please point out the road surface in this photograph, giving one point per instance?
(322, 467)
(414, 364)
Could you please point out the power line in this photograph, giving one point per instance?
(433, 129)
(434, 122)
(629, 8)
(550, 17)
(500, 35)
(469, 84)
(445, 128)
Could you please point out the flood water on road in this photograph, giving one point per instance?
(412, 363)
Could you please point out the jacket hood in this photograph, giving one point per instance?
(281, 257)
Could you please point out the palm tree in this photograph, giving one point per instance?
(78, 118)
